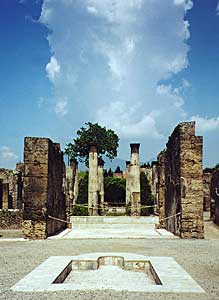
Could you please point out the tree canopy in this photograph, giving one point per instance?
(106, 139)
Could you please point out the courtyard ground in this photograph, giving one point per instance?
(200, 258)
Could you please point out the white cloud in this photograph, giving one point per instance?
(7, 157)
(217, 9)
(206, 124)
(113, 57)
(61, 107)
(92, 10)
(53, 68)
(188, 4)
(128, 121)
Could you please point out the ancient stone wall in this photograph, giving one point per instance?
(207, 191)
(184, 182)
(180, 183)
(215, 196)
(11, 219)
(12, 180)
(43, 188)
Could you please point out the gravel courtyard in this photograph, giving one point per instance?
(200, 258)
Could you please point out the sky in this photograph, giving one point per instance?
(138, 67)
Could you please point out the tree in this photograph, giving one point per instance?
(106, 139)
(146, 195)
(114, 190)
(83, 188)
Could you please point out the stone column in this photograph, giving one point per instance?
(161, 186)
(93, 181)
(20, 197)
(76, 184)
(155, 184)
(135, 180)
(101, 184)
(5, 195)
(128, 195)
(69, 187)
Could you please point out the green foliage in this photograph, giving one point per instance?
(80, 211)
(106, 139)
(83, 188)
(146, 195)
(114, 190)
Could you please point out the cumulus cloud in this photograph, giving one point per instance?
(7, 157)
(53, 69)
(113, 57)
(206, 124)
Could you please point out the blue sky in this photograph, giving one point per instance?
(138, 67)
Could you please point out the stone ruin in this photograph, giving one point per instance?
(133, 197)
(11, 185)
(207, 176)
(71, 186)
(95, 183)
(180, 183)
(46, 190)
(214, 207)
(44, 199)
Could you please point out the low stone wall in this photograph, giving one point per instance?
(11, 219)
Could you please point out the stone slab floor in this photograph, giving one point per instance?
(200, 258)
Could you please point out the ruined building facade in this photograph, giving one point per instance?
(11, 185)
(180, 183)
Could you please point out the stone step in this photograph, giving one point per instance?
(113, 220)
(109, 226)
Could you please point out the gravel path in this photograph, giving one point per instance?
(200, 258)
